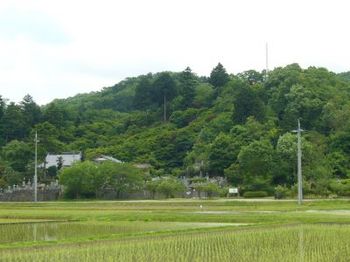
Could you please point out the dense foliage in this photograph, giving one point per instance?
(87, 179)
(236, 126)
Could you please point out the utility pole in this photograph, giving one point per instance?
(299, 153)
(36, 168)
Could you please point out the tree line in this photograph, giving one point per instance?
(236, 126)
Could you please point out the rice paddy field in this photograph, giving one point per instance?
(176, 230)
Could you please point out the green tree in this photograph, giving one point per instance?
(52, 171)
(278, 85)
(184, 117)
(170, 186)
(219, 123)
(55, 115)
(188, 84)
(170, 147)
(248, 103)
(255, 163)
(209, 188)
(218, 76)
(79, 180)
(302, 103)
(2, 107)
(252, 77)
(8, 176)
(336, 115)
(49, 141)
(222, 154)
(144, 92)
(31, 111)
(14, 126)
(124, 178)
(2, 113)
(340, 164)
(204, 94)
(165, 88)
(314, 162)
(286, 159)
(59, 163)
(152, 187)
(18, 154)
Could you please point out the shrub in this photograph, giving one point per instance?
(223, 192)
(281, 192)
(183, 118)
(170, 186)
(313, 188)
(252, 194)
(198, 179)
(87, 179)
(52, 171)
(211, 189)
(340, 187)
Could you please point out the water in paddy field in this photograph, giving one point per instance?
(53, 231)
(320, 242)
(39, 232)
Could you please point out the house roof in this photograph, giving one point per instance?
(67, 159)
(107, 158)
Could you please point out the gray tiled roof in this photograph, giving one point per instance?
(67, 158)
(103, 158)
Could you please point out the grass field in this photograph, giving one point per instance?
(176, 230)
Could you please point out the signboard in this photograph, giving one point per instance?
(233, 190)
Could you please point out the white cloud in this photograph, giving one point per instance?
(59, 48)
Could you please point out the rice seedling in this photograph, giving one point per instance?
(295, 243)
(176, 231)
(30, 232)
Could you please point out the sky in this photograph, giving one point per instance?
(56, 49)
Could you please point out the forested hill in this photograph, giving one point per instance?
(237, 126)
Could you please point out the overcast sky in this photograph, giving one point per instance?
(56, 49)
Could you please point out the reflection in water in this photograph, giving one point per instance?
(49, 236)
(301, 244)
(34, 232)
(56, 231)
(47, 232)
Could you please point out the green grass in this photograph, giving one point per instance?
(181, 211)
(8, 221)
(177, 229)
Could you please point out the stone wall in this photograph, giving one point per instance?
(25, 192)
(54, 191)
(107, 194)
